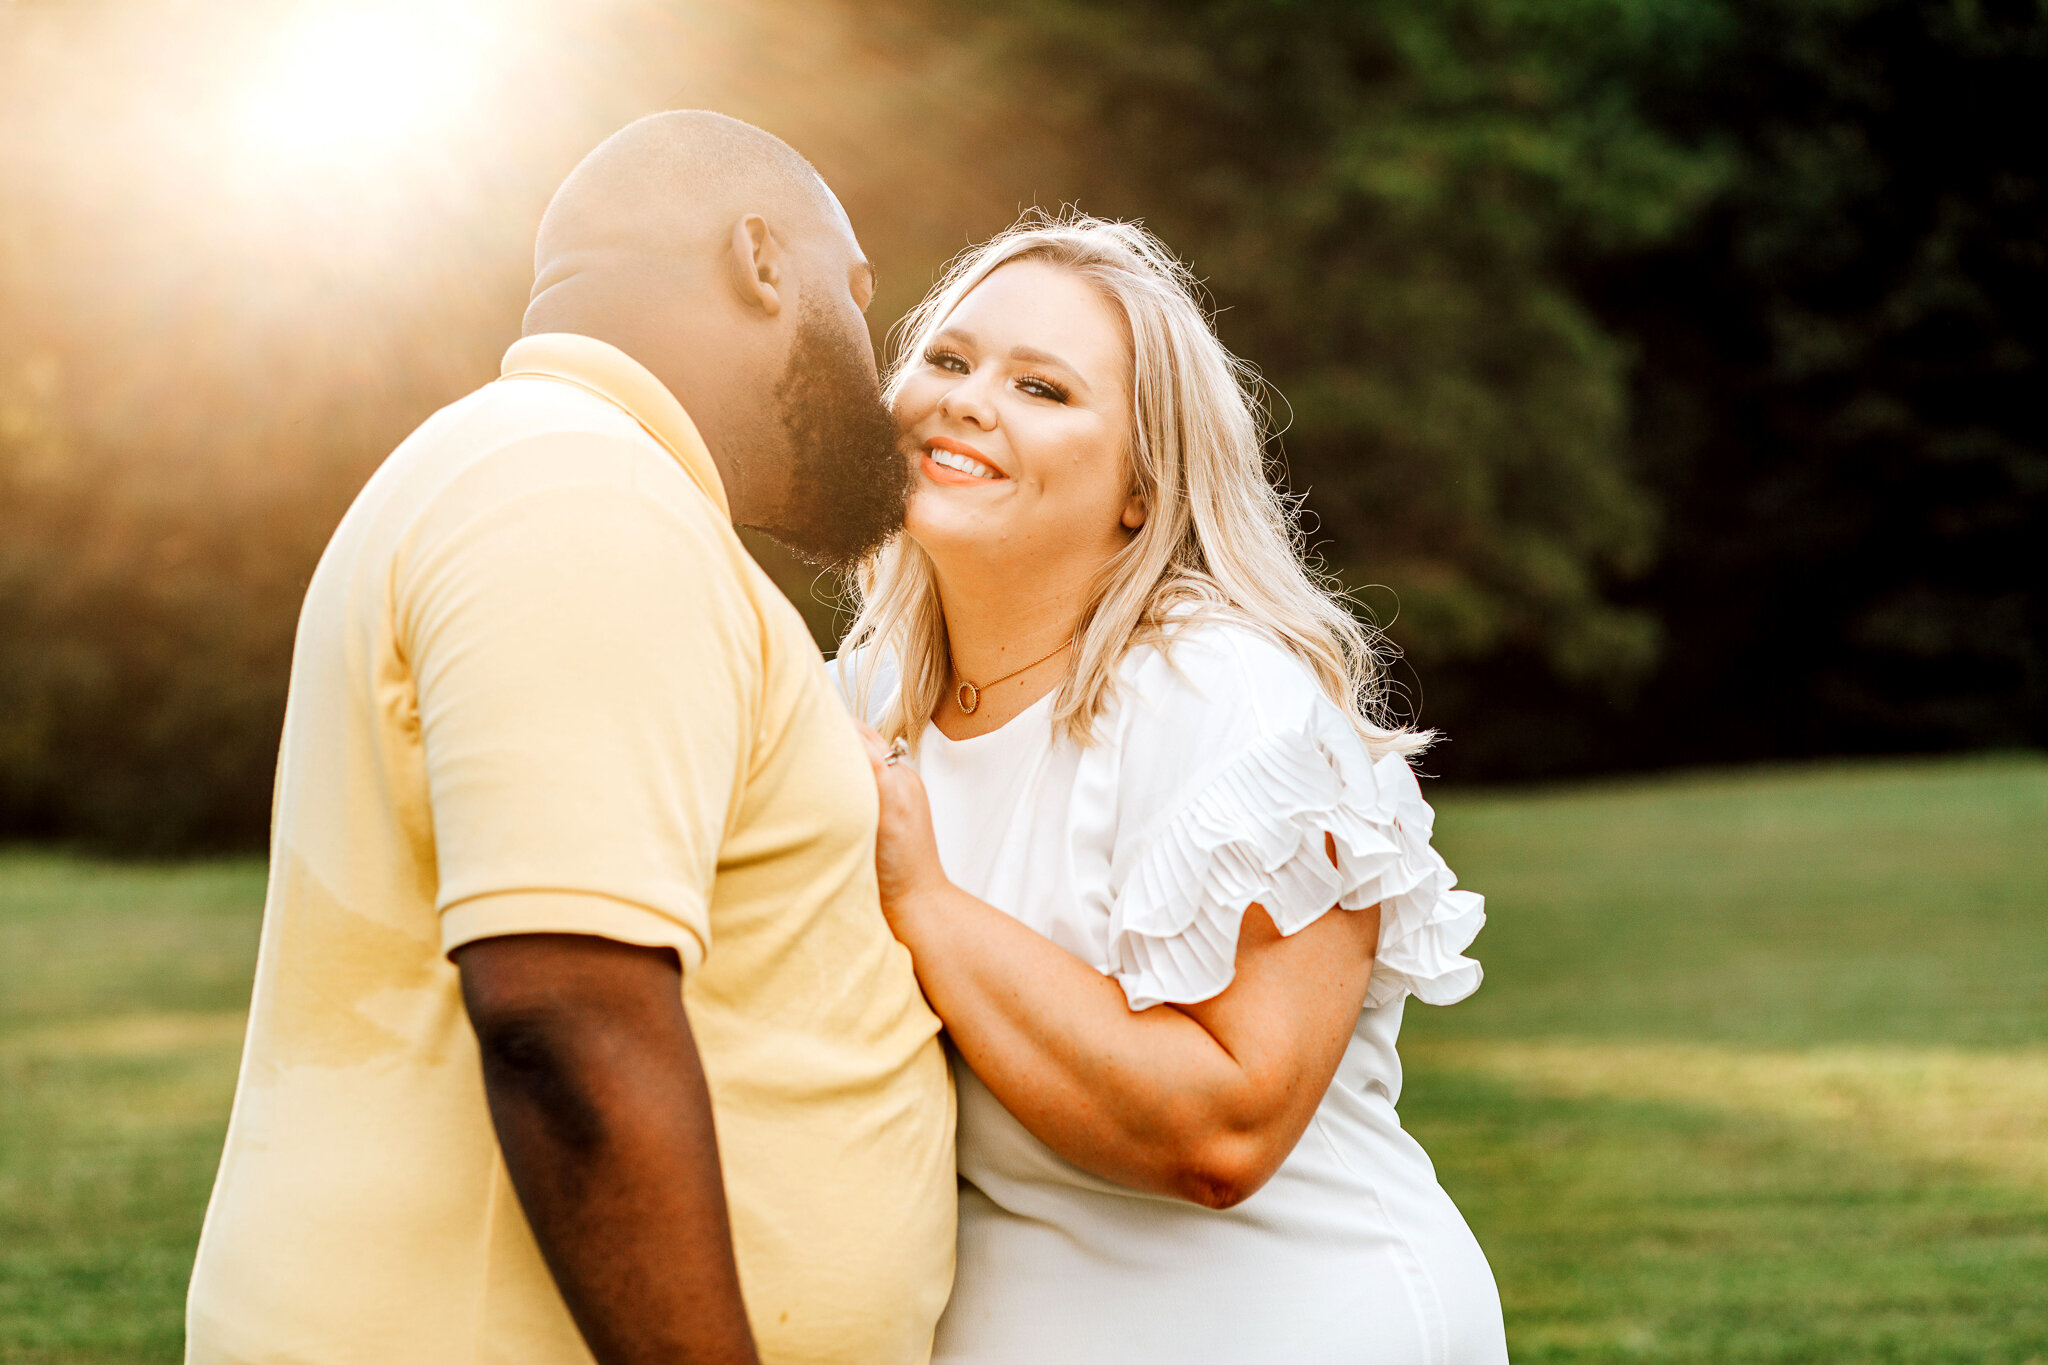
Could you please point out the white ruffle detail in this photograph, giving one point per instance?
(1254, 834)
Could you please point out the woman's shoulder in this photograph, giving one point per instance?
(1218, 673)
(1210, 698)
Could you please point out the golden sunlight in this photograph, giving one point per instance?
(345, 86)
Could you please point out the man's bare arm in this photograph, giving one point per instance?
(599, 1101)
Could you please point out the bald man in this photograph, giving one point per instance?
(577, 1032)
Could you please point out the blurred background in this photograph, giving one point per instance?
(1667, 376)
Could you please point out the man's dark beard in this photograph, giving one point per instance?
(847, 476)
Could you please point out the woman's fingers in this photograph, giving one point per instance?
(906, 852)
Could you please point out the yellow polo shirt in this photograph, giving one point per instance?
(539, 686)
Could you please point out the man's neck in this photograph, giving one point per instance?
(694, 361)
(710, 411)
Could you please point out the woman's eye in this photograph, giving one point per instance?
(1042, 388)
(946, 360)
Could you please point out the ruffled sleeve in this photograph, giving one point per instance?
(1266, 767)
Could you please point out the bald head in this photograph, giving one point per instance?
(667, 189)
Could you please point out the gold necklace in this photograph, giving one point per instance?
(967, 695)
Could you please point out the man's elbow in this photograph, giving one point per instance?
(530, 1060)
(560, 1019)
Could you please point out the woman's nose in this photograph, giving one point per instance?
(968, 401)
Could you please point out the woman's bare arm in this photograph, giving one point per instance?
(1199, 1102)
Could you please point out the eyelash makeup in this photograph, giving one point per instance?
(1054, 393)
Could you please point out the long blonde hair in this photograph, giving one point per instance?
(1219, 539)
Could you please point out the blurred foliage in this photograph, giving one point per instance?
(1840, 390)
(1660, 369)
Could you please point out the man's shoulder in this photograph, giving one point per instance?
(525, 439)
(526, 413)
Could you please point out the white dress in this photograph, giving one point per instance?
(1209, 787)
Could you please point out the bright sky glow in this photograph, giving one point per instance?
(346, 86)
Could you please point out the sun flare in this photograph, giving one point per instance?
(348, 85)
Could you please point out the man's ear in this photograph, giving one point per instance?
(754, 260)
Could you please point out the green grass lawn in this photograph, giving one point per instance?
(121, 997)
(1760, 1068)
(1759, 1072)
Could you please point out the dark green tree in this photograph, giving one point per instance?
(1840, 388)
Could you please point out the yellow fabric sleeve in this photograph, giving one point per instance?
(587, 666)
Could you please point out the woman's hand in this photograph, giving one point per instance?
(907, 867)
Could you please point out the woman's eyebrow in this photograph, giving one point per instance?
(1031, 355)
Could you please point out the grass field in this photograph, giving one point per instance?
(1759, 1073)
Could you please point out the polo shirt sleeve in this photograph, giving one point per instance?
(587, 666)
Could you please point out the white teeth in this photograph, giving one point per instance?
(965, 464)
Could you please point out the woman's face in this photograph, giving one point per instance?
(1018, 415)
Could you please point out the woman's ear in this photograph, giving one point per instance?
(754, 265)
(1134, 512)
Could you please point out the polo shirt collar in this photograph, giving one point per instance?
(622, 381)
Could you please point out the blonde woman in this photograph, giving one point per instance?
(1160, 863)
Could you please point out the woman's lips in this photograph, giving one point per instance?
(951, 462)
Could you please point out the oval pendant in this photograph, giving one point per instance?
(967, 698)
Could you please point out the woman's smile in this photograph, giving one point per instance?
(956, 462)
